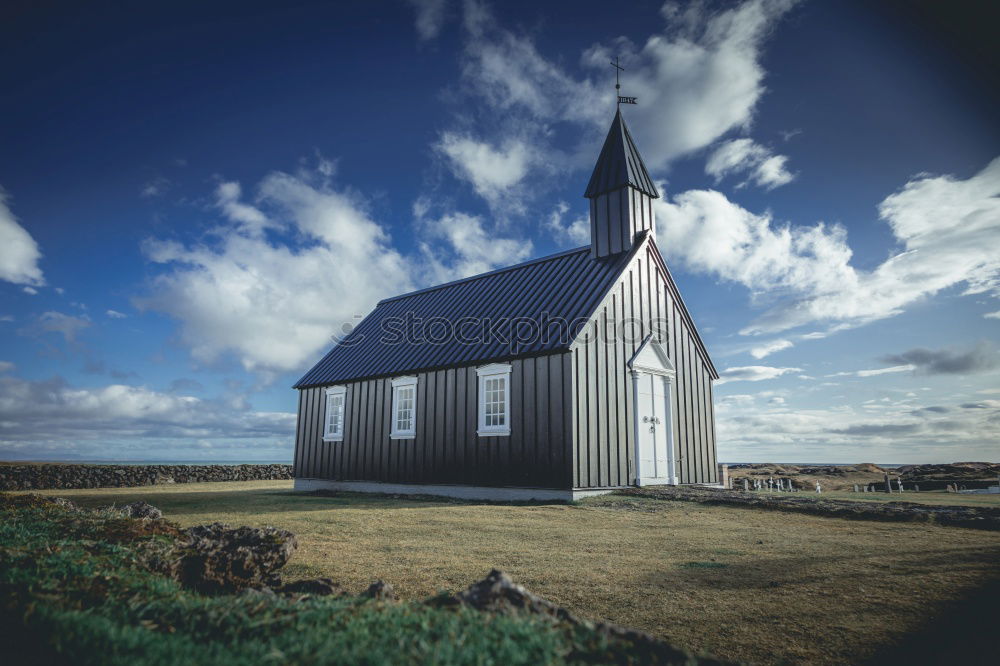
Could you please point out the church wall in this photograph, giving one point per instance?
(603, 436)
(446, 448)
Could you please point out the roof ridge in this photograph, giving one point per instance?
(482, 275)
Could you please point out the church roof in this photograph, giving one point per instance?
(562, 289)
(619, 164)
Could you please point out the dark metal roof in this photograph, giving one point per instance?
(619, 164)
(565, 287)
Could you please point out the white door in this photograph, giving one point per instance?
(653, 422)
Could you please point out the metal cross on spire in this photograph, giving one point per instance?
(618, 86)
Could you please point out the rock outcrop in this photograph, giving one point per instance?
(218, 559)
(380, 591)
(64, 477)
(497, 593)
(141, 510)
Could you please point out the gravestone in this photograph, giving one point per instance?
(819, 488)
(724, 477)
(888, 484)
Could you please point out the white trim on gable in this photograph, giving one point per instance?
(652, 358)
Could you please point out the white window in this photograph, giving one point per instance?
(404, 408)
(333, 430)
(494, 400)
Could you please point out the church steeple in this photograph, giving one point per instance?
(620, 192)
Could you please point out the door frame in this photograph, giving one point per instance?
(651, 358)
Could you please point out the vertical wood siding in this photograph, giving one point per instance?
(446, 448)
(616, 217)
(603, 437)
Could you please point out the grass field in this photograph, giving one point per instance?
(758, 586)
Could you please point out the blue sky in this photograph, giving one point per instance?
(197, 198)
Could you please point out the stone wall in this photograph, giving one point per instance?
(39, 476)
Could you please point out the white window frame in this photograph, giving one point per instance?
(330, 435)
(398, 384)
(494, 371)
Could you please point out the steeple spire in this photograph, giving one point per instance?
(620, 192)
(619, 164)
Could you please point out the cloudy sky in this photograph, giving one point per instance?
(196, 198)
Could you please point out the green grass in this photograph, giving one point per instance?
(73, 590)
(796, 588)
(704, 565)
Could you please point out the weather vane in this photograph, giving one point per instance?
(618, 85)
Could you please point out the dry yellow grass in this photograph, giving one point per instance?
(759, 586)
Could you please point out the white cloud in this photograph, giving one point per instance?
(878, 432)
(707, 233)
(65, 325)
(277, 303)
(745, 156)
(471, 250)
(697, 79)
(992, 315)
(874, 373)
(980, 358)
(492, 171)
(430, 17)
(6, 366)
(114, 314)
(19, 253)
(769, 348)
(752, 373)
(252, 220)
(40, 416)
(885, 371)
(772, 172)
(508, 73)
(277, 298)
(575, 232)
(154, 187)
(948, 230)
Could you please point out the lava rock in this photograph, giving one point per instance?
(380, 591)
(497, 593)
(141, 510)
(217, 558)
(47, 475)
